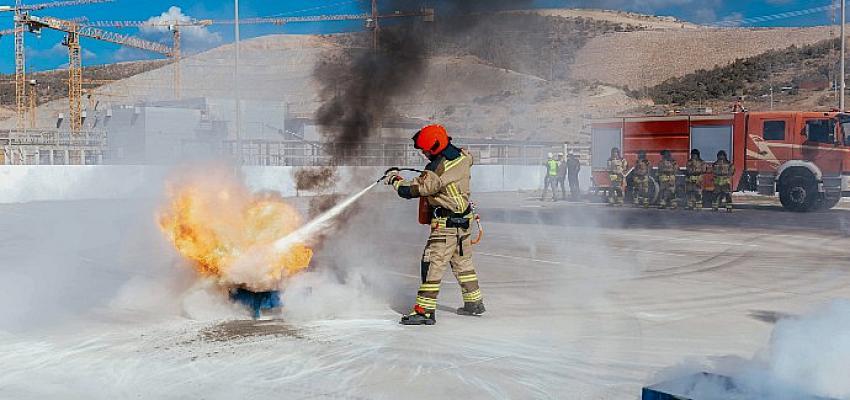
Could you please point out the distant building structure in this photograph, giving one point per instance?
(162, 132)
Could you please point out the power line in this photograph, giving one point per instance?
(773, 17)
(315, 8)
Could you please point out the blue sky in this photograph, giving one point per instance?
(47, 53)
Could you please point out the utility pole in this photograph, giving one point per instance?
(236, 84)
(843, 50)
(33, 100)
(771, 98)
(376, 27)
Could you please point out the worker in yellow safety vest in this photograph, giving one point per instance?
(551, 179)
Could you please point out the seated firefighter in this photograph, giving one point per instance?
(667, 170)
(640, 180)
(444, 192)
(616, 173)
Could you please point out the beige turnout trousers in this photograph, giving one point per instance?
(447, 247)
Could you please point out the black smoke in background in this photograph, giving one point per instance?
(359, 84)
(358, 87)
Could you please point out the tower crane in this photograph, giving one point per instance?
(20, 11)
(73, 32)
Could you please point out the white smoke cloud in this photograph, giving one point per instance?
(807, 356)
(192, 37)
(813, 352)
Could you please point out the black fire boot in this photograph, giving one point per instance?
(476, 308)
(419, 318)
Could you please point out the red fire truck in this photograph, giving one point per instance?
(803, 156)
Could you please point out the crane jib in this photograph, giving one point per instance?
(95, 33)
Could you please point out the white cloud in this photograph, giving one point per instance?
(192, 37)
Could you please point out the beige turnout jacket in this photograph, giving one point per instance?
(445, 186)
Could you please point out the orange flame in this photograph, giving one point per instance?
(228, 233)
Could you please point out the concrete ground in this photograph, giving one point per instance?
(584, 302)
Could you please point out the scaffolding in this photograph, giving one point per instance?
(51, 147)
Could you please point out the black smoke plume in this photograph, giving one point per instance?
(358, 87)
(359, 83)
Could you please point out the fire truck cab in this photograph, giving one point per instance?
(802, 156)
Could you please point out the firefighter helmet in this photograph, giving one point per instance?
(721, 155)
(432, 139)
(695, 153)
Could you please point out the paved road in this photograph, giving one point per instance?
(584, 302)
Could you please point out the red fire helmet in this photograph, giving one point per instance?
(432, 139)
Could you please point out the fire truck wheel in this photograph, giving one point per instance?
(798, 193)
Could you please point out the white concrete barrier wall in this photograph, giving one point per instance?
(26, 183)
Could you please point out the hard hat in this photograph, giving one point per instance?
(550, 155)
(432, 139)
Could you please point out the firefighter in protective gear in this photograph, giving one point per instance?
(445, 188)
(667, 170)
(573, 166)
(695, 173)
(640, 180)
(723, 171)
(616, 172)
(551, 180)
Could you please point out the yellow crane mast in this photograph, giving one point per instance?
(73, 32)
(20, 12)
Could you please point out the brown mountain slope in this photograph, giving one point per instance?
(53, 84)
(647, 58)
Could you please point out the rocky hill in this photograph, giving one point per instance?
(53, 84)
(639, 21)
(795, 77)
(531, 75)
(646, 58)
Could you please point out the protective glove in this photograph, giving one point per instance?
(392, 177)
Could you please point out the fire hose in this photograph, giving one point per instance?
(394, 169)
(476, 216)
